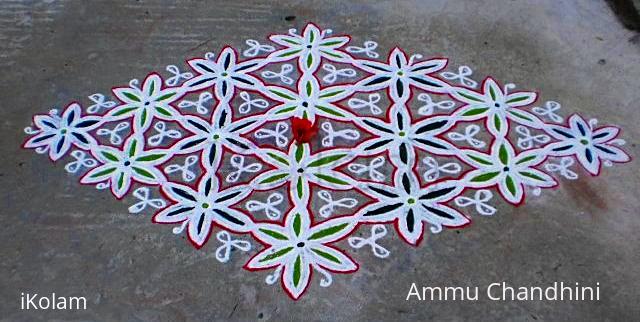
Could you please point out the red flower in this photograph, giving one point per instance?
(303, 130)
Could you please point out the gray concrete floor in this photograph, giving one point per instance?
(58, 236)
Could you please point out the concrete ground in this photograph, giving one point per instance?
(58, 236)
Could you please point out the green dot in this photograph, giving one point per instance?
(402, 133)
(224, 74)
(205, 205)
(216, 136)
(63, 131)
(411, 201)
(400, 73)
(584, 141)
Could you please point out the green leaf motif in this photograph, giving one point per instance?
(518, 99)
(150, 157)
(309, 61)
(276, 254)
(285, 110)
(299, 188)
(309, 88)
(124, 111)
(163, 111)
(281, 94)
(166, 96)
(479, 159)
(290, 53)
(297, 271)
(503, 154)
(531, 175)
(131, 96)
(299, 152)
(520, 115)
(274, 178)
(331, 179)
(143, 172)
(511, 186)
(132, 149)
(326, 160)
(329, 94)
(497, 122)
(109, 156)
(475, 111)
(326, 255)
(329, 111)
(469, 97)
(297, 224)
(273, 234)
(485, 177)
(328, 231)
(103, 173)
(526, 159)
(278, 158)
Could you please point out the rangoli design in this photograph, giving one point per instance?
(309, 137)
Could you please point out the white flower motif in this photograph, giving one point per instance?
(589, 145)
(59, 133)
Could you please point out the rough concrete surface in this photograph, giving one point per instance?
(58, 236)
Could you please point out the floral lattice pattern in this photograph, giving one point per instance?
(397, 140)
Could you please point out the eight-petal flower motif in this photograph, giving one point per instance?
(509, 171)
(120, 167)
(497, 106)
(298, 247)
(59, 133)
(401, 136)
(399, 73)
(310, 101)
(409, 205)
(309, 47)
(209, 138)
(152, 100)
(299, 168)
(202, 208)
(225, 74)
(590, 146)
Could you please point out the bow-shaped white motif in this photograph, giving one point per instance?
(562, 168)
(114, 135)
(248, 103)
(434, 169)
(377, 231)
(333, 73)
(347, 134)
(223, 253)
(237, 161)
(548, 110)
(163, 133)
(177, 75)
(479, 201)
(356, 103)
(328, 209)
(430, 105)
(143, 195)
(269, 206)
(184, 169)
(100, 102)
(374, 174)
(528, 140)
(282, 75)
(461, 76)
(203, 98)
(468, 136)
(368, 49)
(81, 161)
(255, 48)
(278, 133)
